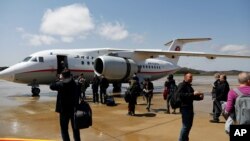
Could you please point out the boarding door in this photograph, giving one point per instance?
(62, 63)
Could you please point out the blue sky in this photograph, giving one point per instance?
(28, 26)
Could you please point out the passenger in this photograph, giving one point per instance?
(244, 88)
(215, 85)
(187, 95)
(221, 96)
(104, 84)
(171, 87)
(133, 88)
(135, 77)
(138, 91)
(148, 91)
(67, 100)
(84, 84)
(62, 67)
(95, 85)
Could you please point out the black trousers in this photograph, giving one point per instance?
(103, 95)
(217, 109)
(131, 105)
(95, 95)
(64, 122)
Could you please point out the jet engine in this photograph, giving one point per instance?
(115, 68)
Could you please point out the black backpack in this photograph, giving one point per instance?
(175, 100)
(172, 89)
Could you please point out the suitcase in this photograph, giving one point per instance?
(110, 101)
(83, 116)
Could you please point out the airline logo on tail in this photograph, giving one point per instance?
(177, 48)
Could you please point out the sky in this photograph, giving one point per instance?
(28, 26)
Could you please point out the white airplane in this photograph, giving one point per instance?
(117, 65)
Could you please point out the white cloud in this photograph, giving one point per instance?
(67, 39)
(71, 20)
(236, 49)
(69, 23)
(113, 31)
(37, 40)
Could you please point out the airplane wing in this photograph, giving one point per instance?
(172, 54)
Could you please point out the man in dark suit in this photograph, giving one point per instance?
(67, 100)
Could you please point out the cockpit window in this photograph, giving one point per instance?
(27, 59)
(41, 59)
(34, 59)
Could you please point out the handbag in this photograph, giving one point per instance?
(165, 93)
(83, 116)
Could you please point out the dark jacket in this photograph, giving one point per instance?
(134, 88)
(222, 91)
(104, 84)
(186, 93)
(67, 97)
(216, 83)
(95, 83)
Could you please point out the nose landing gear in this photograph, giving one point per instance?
(35, 88)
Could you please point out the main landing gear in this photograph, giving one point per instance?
(117, 87)
(35, 92)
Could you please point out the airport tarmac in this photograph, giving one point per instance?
(23, 116)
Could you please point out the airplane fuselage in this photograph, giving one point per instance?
(44, 66)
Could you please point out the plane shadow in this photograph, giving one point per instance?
(158, 110)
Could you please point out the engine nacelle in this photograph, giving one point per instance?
(115, 68)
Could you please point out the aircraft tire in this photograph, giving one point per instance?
(117, 87)
(35, 92)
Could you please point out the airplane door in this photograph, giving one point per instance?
(62, 63)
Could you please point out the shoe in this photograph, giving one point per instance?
(214, 121)
(167, 112)
(129, 114)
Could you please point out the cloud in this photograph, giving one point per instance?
(114, 31)
(69, 23)
(71, 20)
(236, 49)
(38, 40)
(67, 39)
(35, 39)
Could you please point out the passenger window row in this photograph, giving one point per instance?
(149, 67)
(88, 63)
(85, 57)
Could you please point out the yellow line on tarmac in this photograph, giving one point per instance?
(17, 139)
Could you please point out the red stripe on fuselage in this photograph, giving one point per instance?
(52, 70)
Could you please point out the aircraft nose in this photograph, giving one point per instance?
(7, 75)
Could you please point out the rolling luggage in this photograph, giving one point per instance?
(83, 116)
